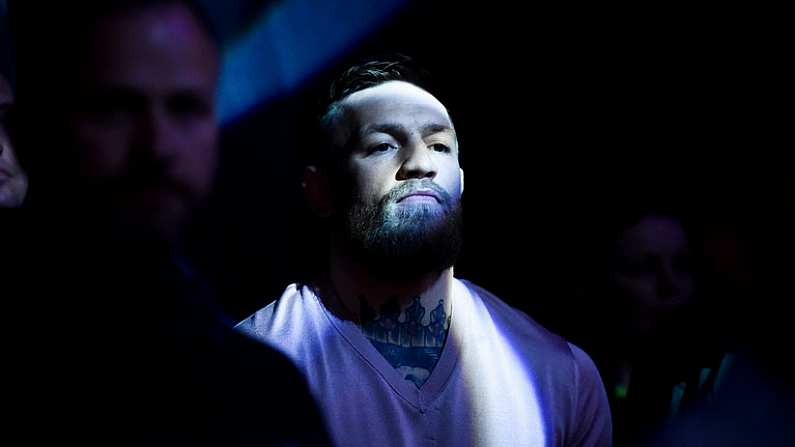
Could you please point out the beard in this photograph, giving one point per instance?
(141, 206)
(403, 240)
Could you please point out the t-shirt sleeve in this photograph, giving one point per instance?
(593, 422)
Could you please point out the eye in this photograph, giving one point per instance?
(438, 147)
(383, 147)
(189, 105)
(113, 109)
(644, 266)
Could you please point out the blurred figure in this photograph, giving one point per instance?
(652, 275)
(396, 349)
(755, 405)
(13, 180)
(123, 145)
(136, 126)
(651, 350)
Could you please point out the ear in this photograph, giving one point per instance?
(462, 180)
(317, 191)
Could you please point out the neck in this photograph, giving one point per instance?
(406, 320)
(363, 296)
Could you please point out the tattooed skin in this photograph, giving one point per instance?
(406, 342)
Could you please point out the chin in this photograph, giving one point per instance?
(161, 219)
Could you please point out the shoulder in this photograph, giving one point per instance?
(254, 373)
(296, 318)
(541, 348)
(564, 373)
(585, 369)
(513, 322)
(291, 305)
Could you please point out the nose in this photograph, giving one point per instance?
(156, 134)
(667, 284)
(418, 162)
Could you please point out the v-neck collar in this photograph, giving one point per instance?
(421, 397)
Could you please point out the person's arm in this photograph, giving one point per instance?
(593, 424)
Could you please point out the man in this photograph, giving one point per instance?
(13, 181)
(123, 145)
(134, 118)
(396, 350)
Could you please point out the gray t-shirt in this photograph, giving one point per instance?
(501, 380)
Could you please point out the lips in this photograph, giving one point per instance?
(420, 194)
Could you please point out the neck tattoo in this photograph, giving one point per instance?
(411, 342)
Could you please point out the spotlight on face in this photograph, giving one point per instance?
(402, 178)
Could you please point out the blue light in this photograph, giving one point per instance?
(290, 42)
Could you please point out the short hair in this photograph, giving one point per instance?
(79, 17)
(48, 38)
(359, 77)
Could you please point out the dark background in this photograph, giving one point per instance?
(566, 115)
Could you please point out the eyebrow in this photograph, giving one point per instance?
(394, 128)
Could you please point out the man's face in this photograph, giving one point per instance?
(402, 174)
(144, 126)
(13, 181)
